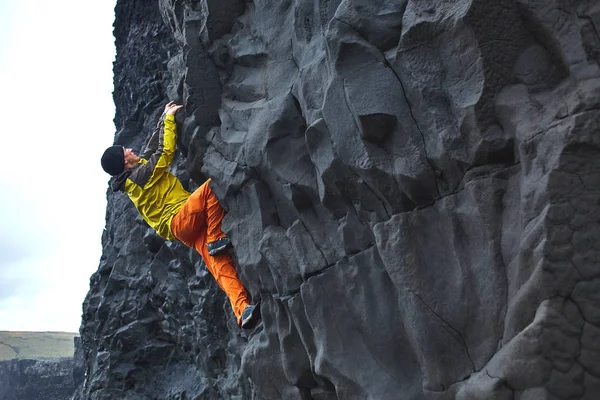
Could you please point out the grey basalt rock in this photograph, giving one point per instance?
(411, 191)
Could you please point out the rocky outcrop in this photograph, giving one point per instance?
(50, 379)
(412, 193)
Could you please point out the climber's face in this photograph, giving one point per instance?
(131, 158)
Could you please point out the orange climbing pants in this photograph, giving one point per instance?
(197, 223)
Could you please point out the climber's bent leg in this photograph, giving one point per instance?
(189, 226)
(214, 212)
(190, 220)
(202, 211)
(217, 242)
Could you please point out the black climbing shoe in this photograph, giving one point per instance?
(250, 316)
(218, 246)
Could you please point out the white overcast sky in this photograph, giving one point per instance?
(56, 100)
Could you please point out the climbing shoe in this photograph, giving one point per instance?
(218, 246)
(250, 316)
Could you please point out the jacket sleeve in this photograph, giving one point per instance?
(152, 145)
(149, 173)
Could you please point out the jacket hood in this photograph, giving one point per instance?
(117, 184)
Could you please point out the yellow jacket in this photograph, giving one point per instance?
(156, 193)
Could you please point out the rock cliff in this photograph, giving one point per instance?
(50, 379)
(412, 191)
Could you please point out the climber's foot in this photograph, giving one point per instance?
(250, 316)
(218, 246)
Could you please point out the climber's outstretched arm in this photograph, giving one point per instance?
(152, 145)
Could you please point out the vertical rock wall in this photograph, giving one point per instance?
(412, 191)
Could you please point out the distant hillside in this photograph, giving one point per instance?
(35, 345)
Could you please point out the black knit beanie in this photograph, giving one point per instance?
(113, 160)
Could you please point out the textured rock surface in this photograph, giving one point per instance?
(52, 379)
(412, 191)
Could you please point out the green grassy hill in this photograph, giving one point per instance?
(23, 345)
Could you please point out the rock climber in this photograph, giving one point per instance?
(174, 213)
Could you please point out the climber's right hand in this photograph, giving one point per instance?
(171, 108)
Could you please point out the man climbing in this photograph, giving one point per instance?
(194, 219)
